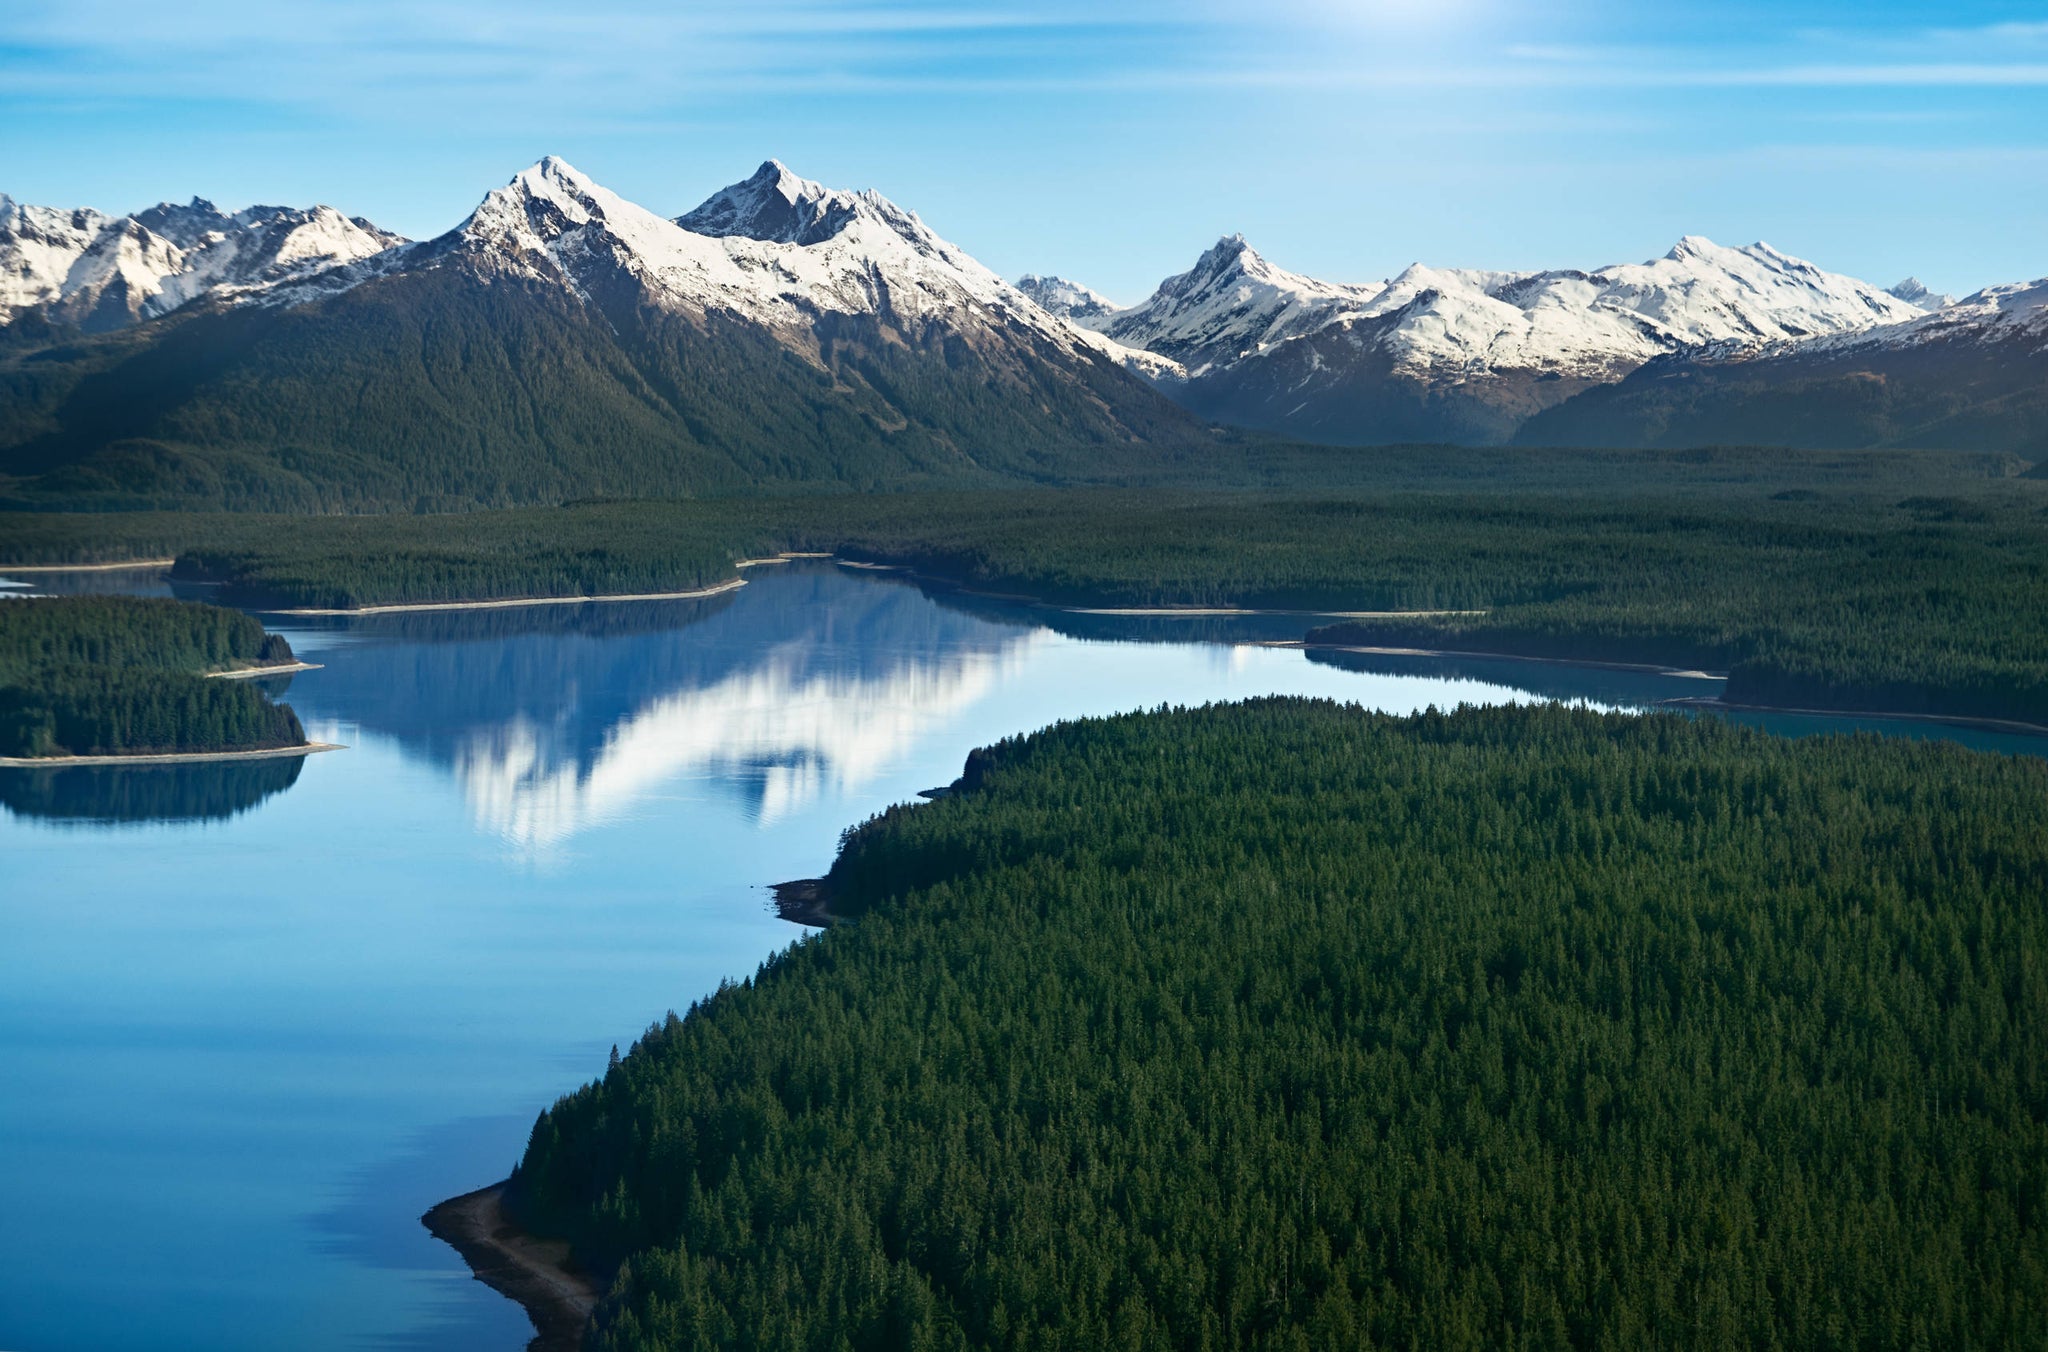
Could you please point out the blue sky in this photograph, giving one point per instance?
(1110, 143)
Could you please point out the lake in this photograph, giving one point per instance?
(256, 1018)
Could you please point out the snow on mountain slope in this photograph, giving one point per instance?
(1914, 292)
(1231, 303)
(1466, 353)
(100, 272)
(1234, 305)
(1068, 300)
(2013, 313)
(773, 249)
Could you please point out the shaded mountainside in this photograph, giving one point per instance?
(434, 389)
(1942, 385)
(563, 342)
(1288, 1026)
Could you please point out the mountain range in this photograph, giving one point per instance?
(563, 342)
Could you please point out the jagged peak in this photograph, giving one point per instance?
(1915, 292)
(551, 174)
(1068, 299)
(1231, 249)
(779, 206)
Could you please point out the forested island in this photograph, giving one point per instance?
(1290, 1025)
(87, 676)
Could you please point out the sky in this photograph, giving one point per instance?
(1109, 143)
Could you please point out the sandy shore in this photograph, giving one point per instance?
(168, 757)
(250, 673)
(535, 1273)
(787, 556)
(7, 569)
(516, 601)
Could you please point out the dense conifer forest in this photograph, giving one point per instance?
(1288, 1025)
(100, 675)
(1898, 583)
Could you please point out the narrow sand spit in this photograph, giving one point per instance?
(516, 601)
(250, 673)
(168, 757)
(7, 569)
(536, 1273)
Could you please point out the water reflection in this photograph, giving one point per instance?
(265, 1039)
(86, 795)
(807, 681)
(1563, 681)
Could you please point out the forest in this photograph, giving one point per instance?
(103, 675)
(1290, 1025)
(1888, 582)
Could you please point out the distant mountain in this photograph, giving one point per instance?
(1068, 300)
(1459, 354)
(96, 273)
(563, 342)
(1972, 375)
(1914, 292)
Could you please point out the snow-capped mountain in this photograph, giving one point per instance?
(1971, 375)
(1230, 304)
(1068, 300)
(562, 340)
(1914, 292)
(2014, 313)
(98, 272)
(1464, 354)
(774, 249)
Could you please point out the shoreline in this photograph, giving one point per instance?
(1648, 668)
(1136, 612)
(805, 901)
(534, 1274)
(1197, 611)
(732, 584)
(7, 568)
(167, 757)
(1980, 722)
(251, 673)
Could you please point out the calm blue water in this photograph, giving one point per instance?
(255, 1019)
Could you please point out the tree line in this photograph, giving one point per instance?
(1915, 584)
(97, 675)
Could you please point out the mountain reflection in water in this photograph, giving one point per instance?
(552, 719)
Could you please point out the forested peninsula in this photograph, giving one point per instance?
(1290, 1025)
(91, 676)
